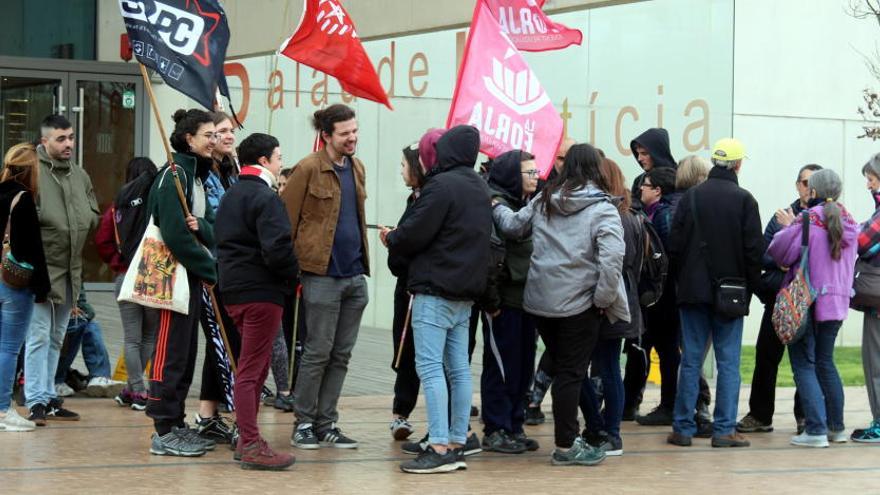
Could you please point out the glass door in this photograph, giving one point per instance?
(26, 97)
(106, 114)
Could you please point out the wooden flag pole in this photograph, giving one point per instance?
(164, 137)
(406, 324)
(290, 367)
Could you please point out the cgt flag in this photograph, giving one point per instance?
(326, 40)
(183, 40)
(499, 94)
(529, 27)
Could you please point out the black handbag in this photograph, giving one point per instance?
(866, 287)
(731, 296)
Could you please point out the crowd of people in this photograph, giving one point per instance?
(276, 263)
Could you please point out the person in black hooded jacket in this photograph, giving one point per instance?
(508, 331)
(447, 238)
(651, 150)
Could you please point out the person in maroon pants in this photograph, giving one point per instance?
(257, 265)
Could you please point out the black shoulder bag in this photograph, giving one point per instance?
(731, 297)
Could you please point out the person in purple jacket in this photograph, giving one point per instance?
(832, 255)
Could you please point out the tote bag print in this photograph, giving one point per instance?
(155, 279)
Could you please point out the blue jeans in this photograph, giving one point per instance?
(699, 323)
(43, 347)
(818, 383)
(85, 334)
(16, 308)
(606, 365)
(440, 335)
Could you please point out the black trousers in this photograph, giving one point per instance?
(508, 359)
(406, 383)
(768, 354)
(569, 342)
(174, 362)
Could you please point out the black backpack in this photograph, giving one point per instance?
(655, 267)
(130, 215)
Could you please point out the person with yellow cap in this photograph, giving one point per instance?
(715, 250)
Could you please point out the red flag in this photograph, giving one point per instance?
(529, 27)
(498, 93)
(326, 40)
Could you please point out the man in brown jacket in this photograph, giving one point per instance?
(325, 202)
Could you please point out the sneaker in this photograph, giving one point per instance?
(233, 444)
(76, 380)
(333, 437)
(177, 443)
(660, 416)
(871, 434)
(124, 398)
(732, 440)
(415, 448)
(268, 399)
(258, 456)
(591, 437)
(472, 445)
(459, 458)
(705, 429)
(838, 436)
(751, 424)
(679, 439)
(38, 415)
(534, 416)
(304, 438)
(429, 462)
(139, 401)
(611, 446)
(193, 436)
(101, 386)
(215, 428)
(63, 390)
(475, 411)
(630, 413)
(580, 454)
(530, 444)
(807, 440)
(56, 412)
(400, 429)
(12, 421)
(501, 442)
(283, 402)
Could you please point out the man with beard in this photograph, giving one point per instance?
(68, 211)
(325, 202)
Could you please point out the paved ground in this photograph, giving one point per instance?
(108, 451)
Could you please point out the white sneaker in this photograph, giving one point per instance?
(63, 390)
(14, 422)
(805, 440)
(101, 386)
(400, 429)
(838, 436)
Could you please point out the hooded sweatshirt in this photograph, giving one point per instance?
(656, 141)
(446, 235)
(578, 253)
(505, 184)
(68, 211)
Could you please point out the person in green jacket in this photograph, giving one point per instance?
(67, 211)
(191, 241)
(509, 333)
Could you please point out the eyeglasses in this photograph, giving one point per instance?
(211, 136)
(804, 182)
(531, 173)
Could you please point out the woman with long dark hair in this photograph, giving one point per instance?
(574, 282)
(18, 220)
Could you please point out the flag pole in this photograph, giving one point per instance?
(406, 324)
(149, 85)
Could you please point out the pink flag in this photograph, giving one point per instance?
(497, 93)
(529, 28)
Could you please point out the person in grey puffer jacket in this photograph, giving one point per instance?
(574, 282)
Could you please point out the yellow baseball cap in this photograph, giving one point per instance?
(728, 149)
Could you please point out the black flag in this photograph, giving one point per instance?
(183, 40)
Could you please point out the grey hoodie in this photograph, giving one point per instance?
(578, 254)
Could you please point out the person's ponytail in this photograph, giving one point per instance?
(828, 186)
(834, 224)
